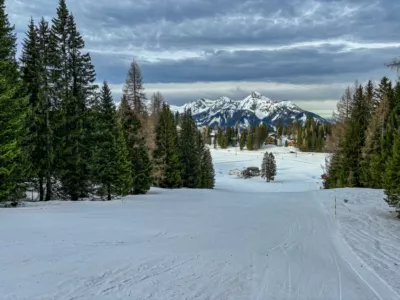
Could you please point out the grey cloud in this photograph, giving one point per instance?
(208, 23)
(205, 23)
(298, 65)
(211, 26)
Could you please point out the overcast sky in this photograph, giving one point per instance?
(301, 50)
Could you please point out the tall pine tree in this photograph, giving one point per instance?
(166, 155)
(35, 78)
(73, 89)
(372, 152)
(207, 173)
(141, 171)
(392, 174)
(190, 158)
(354, 140)
(207, 170)
(12, 112)
(110, 167)
(268, 167)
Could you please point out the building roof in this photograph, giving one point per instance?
(253, 169)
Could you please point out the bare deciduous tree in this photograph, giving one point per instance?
(134, 90)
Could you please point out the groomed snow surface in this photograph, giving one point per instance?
(247, 239)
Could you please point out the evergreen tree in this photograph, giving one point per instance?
(73, 90)
(190, 159)
(299, 139)
(207, 135)
(141, 171)
(215, 140)
(372, 152)
(355, 138)
(394, 102)
(272, 166)
(177, 118)
(35, 77)
(314, 140)
(208, 173)
(33, 141)
(12, 113)
(43, 30)
(369, 97)
(392, 174)
(142, 179)
(166, 154)
(384, 90)
(229, 134)
(224, 140)
(321, 138)
(111, 168)
(294, 129)
(8, 47)
(149, 124)
(334, 171)
(279, 128)
(268, 167)
(249, 141)
(243, 139)
(207, 168)
(392, 123)
(345, 167)
(264, 165)
(59, 58)
(256, 137)
(263, 131)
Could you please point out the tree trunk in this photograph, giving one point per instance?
(48, 161)
(48, 186)
(41, 190)
(108, 192)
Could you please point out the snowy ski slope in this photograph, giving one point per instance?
(247, 239)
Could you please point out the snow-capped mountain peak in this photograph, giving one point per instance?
(253, 109)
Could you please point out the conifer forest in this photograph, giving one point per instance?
(64, 136)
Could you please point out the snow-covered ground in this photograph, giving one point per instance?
(247, 239)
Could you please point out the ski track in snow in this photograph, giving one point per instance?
(246, 239)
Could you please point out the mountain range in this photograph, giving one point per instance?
(251, 110)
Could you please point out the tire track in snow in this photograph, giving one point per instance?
(289, 273)
(338, 271)
(264, 285)
(328, 224)
(115, 280)
(366, 283)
